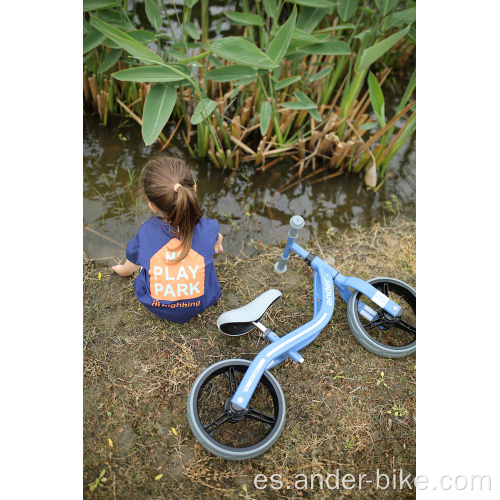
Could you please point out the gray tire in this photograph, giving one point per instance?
(389, 339)
(259, 425)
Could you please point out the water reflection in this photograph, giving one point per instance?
(250, 210)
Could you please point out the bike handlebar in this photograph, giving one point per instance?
(296, 223)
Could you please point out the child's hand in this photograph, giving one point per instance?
(125, 269)
(218, 246)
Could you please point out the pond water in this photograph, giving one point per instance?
(248, 205)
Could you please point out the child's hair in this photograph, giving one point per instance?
(179, 208)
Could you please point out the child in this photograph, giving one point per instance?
(175, 247)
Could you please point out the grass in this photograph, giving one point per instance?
(138, 371)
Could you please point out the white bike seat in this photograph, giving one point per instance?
(239, 321)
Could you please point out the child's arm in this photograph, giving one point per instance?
(218, 246)
(125, 269)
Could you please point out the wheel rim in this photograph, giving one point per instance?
(384, 329)
(227, 429)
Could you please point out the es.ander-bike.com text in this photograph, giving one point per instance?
(396, 480)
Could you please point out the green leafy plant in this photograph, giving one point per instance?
(392, 205)
(293, 78)
(398, 410)
(99, 481)
(381, 379)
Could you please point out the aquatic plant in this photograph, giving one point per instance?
(295, 78)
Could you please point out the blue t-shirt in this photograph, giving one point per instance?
(181, 290)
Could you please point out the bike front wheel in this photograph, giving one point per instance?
(384, 335)
(218, 429)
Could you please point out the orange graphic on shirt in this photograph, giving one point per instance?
(176, 281)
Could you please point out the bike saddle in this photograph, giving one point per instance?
(239, 321)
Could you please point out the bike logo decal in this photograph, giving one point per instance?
(328, 290)
(380, 299)
(254, 374)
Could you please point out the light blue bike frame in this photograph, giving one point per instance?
(325, 278)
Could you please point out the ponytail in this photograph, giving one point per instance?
(169, 185)
(185, 215)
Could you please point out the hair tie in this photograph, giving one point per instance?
(176, 187)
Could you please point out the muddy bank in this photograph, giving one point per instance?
(138, 370)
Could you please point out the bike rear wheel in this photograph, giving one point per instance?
(227, 434)
(384, 335)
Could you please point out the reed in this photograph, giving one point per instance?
(293, 79)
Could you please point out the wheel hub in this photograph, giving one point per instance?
(234, 414)
(388, 318)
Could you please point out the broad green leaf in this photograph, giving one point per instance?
(339, 27)
(321, 74)
(301, 96)
(309, 18)
(377, 99)
(299, 105)
(346, 9)
(213, 60)
(271, 7)
(190, 3)
(93, 39)
(148, 74)
(401, 17)
(142, 36)
(245, 19)
(176, 54)
(189, 45)
(107, 42)
(126, 42)
(218, 26)
(231, 73)
(412, 35)
(313, 3)
(241, 51)
(89, 5)
(389, 6)
(303, 36)
(110, 60)
(333, 48)
(371, 54)
(368, 126)
(204, 109)
(245, 81)
(279, 44)
(116, 18)
(87, 27)
(287, 81)
(265, 117)
(304, 98)
(192, 31)
(157, 110)
(153, 14)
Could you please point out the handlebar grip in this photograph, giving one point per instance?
(296, 223)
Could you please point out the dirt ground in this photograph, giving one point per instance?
(348, 411)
